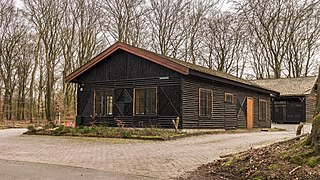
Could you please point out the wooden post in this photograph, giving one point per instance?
(59, 119)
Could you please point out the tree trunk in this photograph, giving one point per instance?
(33, 74)
(49, 96)
(314, 137)
(318, 94)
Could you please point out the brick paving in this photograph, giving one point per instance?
(158, 160)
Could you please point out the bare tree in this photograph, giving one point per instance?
(125, 21)
(304, 43)
(24, 64)
(12, 32)
(194, 25)
(80, 41)
(36, 55)
(281, 34)
(223, 44)
(46, 17)
(167, 29)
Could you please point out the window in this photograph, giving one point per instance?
(263, 110)
(145, 101)
(205, 102)
(228, 98)
(103, 103)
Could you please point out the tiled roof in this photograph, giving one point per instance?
(289, 86)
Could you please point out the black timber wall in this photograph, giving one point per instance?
(224, 115)
(122, 65)
(290, 109)
(122, 72)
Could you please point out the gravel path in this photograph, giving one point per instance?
(159, 160)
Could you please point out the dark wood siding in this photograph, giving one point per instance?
(289, 109)
(121, 65)
(224, 115)
(122, 72)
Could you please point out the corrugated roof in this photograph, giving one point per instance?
(289, 86)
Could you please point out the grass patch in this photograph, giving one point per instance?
(312, 162)
(109, 132)
(301, 154)
(228, 163)
(273, 167)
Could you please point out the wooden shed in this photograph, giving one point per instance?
(297, 100)
(145, 89)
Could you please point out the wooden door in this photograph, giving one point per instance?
(249, 112)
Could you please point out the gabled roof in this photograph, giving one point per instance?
(289, 86)
(136, 51)
(171, 63)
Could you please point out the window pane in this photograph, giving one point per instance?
(229, 98)
(263, 110)
(209, 107)
(145, 101)
(205, 103)
(109, 104)
(103, 103)
(98, 103)
(153, 103)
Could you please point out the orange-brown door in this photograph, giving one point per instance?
(249, 112)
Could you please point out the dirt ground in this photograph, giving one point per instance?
(4, 124)
(269, 162)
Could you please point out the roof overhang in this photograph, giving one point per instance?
(227, 81)
(136, 51)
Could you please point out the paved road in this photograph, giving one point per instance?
(117, 158)
(30, 170)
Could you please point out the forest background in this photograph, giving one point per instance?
(41, 42)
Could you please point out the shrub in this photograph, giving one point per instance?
(49, 126)
(86, 130)
(31, 128)
(126, 134)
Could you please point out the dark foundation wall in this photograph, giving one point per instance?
(224, 115)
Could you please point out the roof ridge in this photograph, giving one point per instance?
(290, 86)
(301, 77)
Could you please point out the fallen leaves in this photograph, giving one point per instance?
(263, 163)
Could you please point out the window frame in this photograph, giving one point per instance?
(134, 101)
(106, 93)
(225, 97)
(199, 102)
(266, 108)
